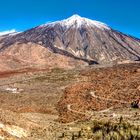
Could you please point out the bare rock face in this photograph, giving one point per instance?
(81, 39)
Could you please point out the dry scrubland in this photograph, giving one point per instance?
(88, 103)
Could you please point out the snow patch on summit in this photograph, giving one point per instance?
(79, 21)
(76, 21)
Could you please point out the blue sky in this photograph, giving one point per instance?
(123, 15)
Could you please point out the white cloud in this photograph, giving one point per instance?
(7, 32)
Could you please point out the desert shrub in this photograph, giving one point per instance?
(115, 131)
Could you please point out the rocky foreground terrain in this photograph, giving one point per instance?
(88, 103)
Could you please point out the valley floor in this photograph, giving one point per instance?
(88, 103)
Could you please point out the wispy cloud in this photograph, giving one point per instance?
(7, 32)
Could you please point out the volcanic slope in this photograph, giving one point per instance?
(72, 42)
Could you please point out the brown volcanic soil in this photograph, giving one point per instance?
(4, 74)
(22, 55)
(115, 86)
(44, 96)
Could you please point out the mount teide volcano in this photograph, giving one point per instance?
(73, 42)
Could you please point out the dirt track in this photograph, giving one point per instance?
(113, 87)
(44, 95)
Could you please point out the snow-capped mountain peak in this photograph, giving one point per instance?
(69, 41)
(77, 21)
(74, 18)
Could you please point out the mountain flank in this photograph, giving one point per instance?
(68, 43)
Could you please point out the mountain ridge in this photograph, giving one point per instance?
(79, 38)
(79, 20)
